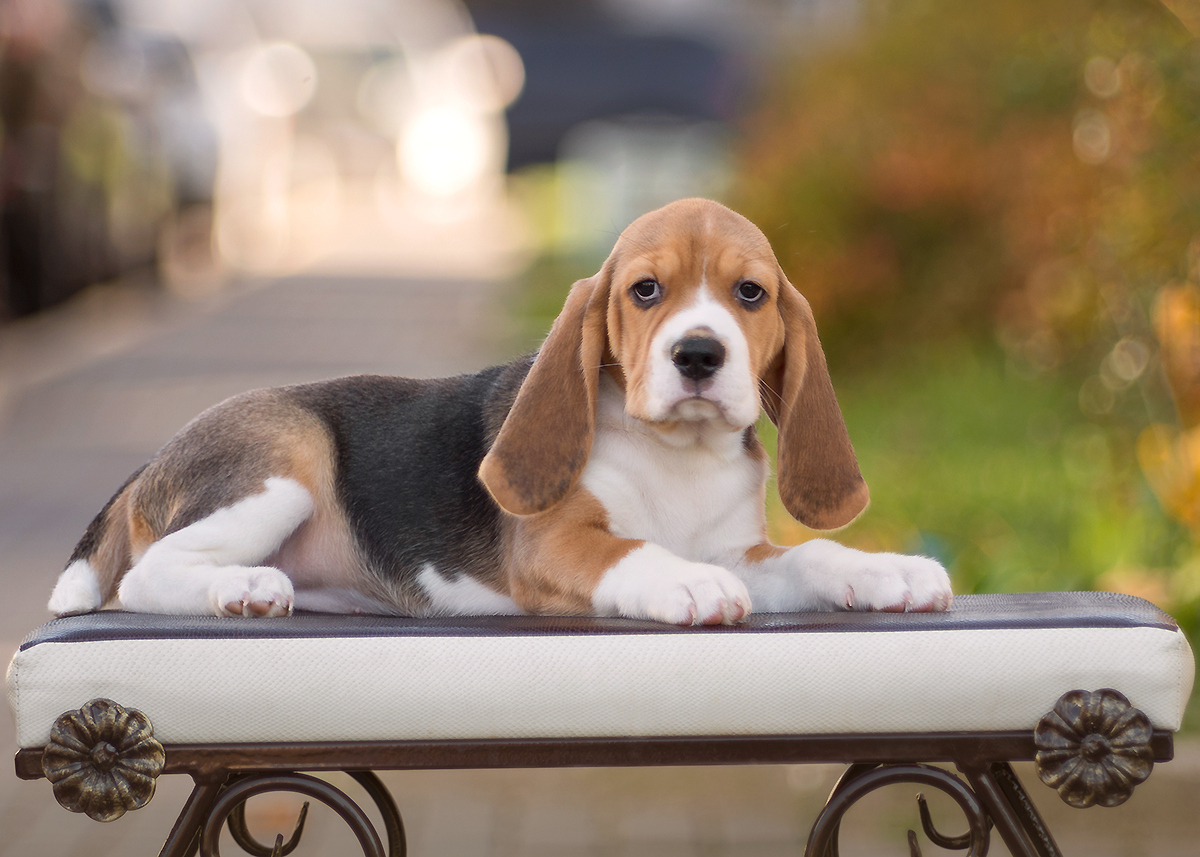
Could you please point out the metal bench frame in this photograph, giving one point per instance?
(1094, 747)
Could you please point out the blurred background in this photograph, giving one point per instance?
(993, 208)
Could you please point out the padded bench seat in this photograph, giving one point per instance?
(1089, 685)
(992, 663)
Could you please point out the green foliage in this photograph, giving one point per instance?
(926, 172)
(997, 475)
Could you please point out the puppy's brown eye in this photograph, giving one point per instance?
(751, 294)
(646, 292)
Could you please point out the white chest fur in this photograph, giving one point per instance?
(694, 490)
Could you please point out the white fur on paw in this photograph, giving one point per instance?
(77, 590)
(896, 583)
(252, 592)
(652, 583)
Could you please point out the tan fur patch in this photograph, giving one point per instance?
(558, 557)
(112, 556)
(763, 552)
(141, 534)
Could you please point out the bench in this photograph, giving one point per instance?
(1090, 686)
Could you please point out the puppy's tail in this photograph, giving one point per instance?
(101, 557)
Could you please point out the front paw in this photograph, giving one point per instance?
(652, 583)
(896, 583)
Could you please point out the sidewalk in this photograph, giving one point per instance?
(89, 391)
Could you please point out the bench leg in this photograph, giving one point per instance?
(861, 779)
(1016, 818)
(214, 804)
(994, 797)
(392, 823)
(183, 839)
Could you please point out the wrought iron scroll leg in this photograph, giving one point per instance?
(183, 840)
(941, 840)
(245, 839)
(824, 830)
(1016, 819)
(392, 822)
(848, 776)
(304, 784)
(951, 843)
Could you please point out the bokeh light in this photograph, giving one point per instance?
(278, 79)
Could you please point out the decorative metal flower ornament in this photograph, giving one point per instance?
(1094, 748)
(103, 760)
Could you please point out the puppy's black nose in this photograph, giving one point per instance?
(698, 357)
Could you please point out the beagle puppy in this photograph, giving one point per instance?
(615, 473)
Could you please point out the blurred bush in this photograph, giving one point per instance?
(995, 211)
(107, 157)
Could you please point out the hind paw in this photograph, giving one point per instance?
(253, 593)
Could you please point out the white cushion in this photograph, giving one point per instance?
(992, 663)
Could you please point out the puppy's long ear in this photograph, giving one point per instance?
(819, 480)
(547, 436)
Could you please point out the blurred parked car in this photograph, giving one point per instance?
(578, 72)
(631, 119)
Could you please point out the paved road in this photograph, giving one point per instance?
(89, 391)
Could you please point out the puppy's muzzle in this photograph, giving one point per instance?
(698, 357)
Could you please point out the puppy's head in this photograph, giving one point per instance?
(694, 318)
